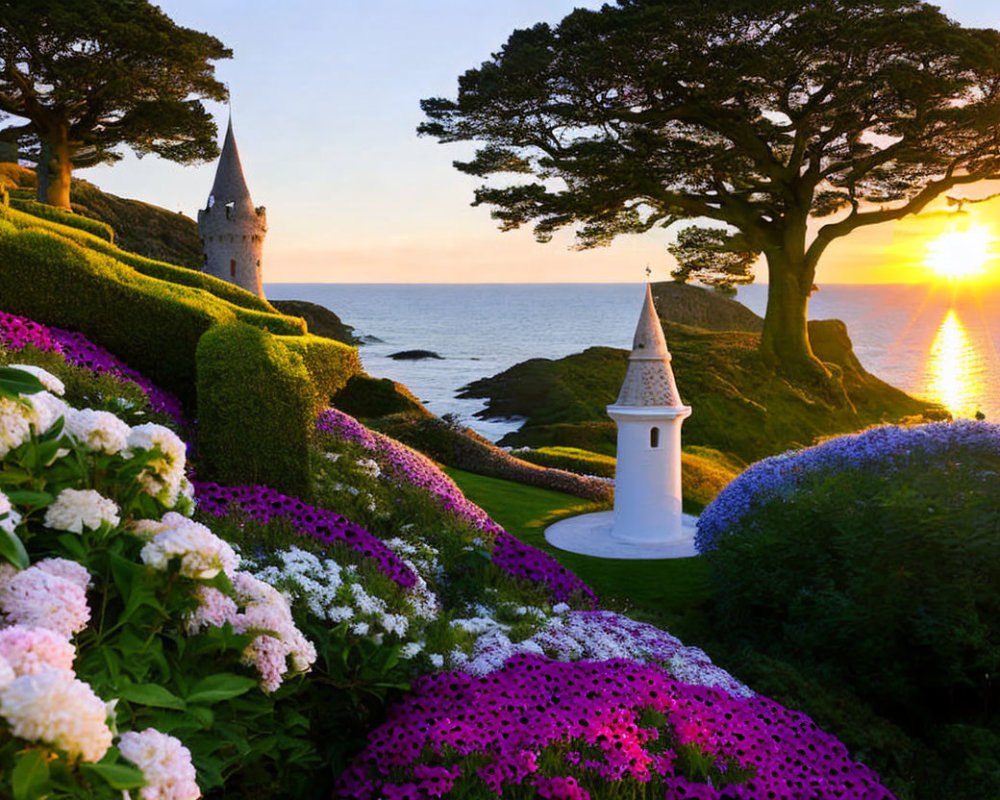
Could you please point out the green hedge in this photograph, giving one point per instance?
(63, 217)
(330, 364)
(573, 459)
(255, 409)
(156, 269)
(155, 324)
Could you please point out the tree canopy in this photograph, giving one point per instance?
(92, 75)
(748, 117)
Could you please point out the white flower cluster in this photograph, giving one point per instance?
(257, 608)
(97, 431)
(52, 705)
(76, 509)
(36, 414)
(202, 554)
(164, 477)
(593, 635)
(336, 594)
(165, 764)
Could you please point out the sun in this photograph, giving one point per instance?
(959, 254)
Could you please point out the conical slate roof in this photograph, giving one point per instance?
(230, 186)
(649, 380)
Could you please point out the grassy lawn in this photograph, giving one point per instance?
(651, 590)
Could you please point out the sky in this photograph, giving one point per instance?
(325, 105)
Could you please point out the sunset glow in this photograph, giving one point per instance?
(954, 375)
(955, 255)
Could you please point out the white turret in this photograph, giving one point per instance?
(649, 414)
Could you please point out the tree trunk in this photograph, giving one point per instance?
(55, 169)
(784, 342)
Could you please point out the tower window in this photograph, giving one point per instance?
(232, 274)
(654, 437)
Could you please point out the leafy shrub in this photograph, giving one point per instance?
(91, 226)
(873, 559)
(255, 409)
(464, 449)
(109, 593)
(573, 459)
(331, 364)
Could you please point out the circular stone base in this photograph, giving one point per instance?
(590, 535)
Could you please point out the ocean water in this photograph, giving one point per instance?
(933, 342)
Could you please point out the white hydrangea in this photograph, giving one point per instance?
(54, 707)
(15, 425)
(98, 431)
(165, 764)
(203, 555)
(9, 522)
(164, 476)
(46, 409)
(369, 467)
(76, 509)
(48, 380)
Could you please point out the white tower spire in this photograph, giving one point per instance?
(649, 414)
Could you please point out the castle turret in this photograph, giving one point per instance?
(649, 414)
(231, 228)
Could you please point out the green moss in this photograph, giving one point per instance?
(63, 217)
(255, 409)
(741, 406)
(366, 398)
(331, 365)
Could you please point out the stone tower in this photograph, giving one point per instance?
(649, 414)
(231, 229)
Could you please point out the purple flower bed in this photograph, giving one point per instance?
(406, 464)
(883, 447)
(17, 332)
(264, 504)
(590, 713)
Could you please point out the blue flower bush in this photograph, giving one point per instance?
(874, 561)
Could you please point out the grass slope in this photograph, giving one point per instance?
(740, 406)
(649, 590)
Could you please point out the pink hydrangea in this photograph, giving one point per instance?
(30, 650)
(35, 597)
(165, 764)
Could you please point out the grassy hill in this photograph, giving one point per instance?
(741, 407)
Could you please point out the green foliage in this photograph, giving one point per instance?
(255, 409)
(883, 579)
(366, 398)
(718, 258)
(331, 364)
(67, 218)
(574, 459)
(464, 449)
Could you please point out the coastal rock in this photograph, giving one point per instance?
(320, 320)
(414, 355)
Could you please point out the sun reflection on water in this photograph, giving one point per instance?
(954, 372)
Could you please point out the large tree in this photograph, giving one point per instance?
(749, 117)
(91, 75)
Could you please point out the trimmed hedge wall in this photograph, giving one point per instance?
(147, 266)
(155, 324)
(331, 364)
(255, 409)
(63, 217)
